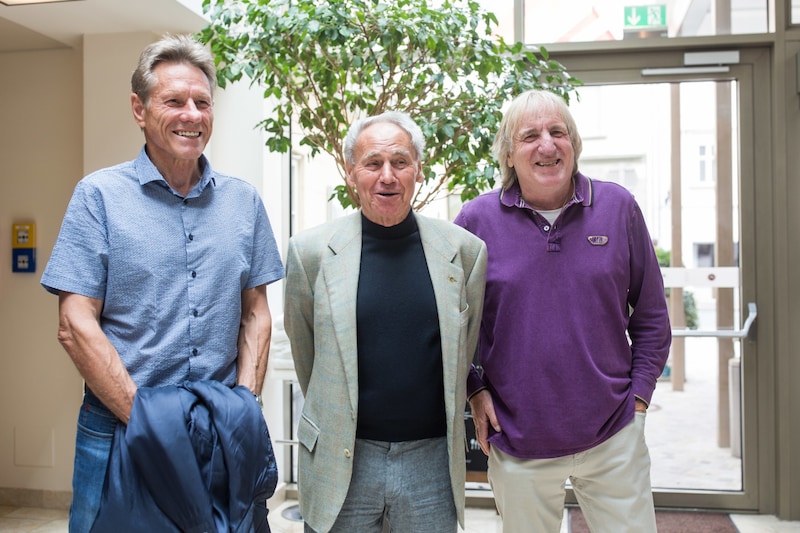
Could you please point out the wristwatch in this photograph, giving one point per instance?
(259, 400)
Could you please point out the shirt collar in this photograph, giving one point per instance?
(147, 173)
(512, 197)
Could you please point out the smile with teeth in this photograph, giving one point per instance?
(550, 164)
(188, 133)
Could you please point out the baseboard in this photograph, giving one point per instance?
(290, 491)
(43, 499)
(479, 476)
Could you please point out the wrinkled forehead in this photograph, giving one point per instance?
(384, 138)
(525, 109)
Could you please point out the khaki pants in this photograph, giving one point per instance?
(611, 483)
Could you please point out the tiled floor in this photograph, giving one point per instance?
(487, 521)
(18, 519)
(27, 519)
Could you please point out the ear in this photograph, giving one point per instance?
(420, 177)
(348, 175)
(138, 110)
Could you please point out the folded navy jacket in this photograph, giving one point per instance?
(193, 458)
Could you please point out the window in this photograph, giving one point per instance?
(556, 21)
(703, 255)
(707, 170)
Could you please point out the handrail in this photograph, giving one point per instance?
(752, 312)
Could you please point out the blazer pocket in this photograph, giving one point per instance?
(307, 433)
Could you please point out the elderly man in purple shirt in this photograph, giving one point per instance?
(575, 331)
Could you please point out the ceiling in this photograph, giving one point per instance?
(60, 25)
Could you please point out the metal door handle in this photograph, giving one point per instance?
(752, 312)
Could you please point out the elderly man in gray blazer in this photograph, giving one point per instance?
(382, 309)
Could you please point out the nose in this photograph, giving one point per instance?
(547, 144)
(191, 112)
(387, 173)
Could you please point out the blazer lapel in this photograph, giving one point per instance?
(338, 271)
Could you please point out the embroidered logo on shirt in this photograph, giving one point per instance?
(597, 240)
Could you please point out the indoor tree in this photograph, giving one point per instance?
(325, 63)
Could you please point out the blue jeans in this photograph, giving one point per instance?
(95, 433)
(406, 483)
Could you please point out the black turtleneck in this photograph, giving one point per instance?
(401, 392)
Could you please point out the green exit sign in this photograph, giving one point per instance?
(652, 16)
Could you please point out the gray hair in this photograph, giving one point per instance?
(531, 102)
(402, 120)
(171, 49)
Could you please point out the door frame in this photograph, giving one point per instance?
(623, 66)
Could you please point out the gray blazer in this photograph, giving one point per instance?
(322, 270)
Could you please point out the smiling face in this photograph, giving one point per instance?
(384, 173)
(178, 118)
(543, 158)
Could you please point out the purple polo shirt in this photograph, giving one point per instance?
(575, 321)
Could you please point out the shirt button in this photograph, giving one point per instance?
(547, 228)
(194, 351)
(194, 274)
(191, 237)
(195, 313)
(347, 453)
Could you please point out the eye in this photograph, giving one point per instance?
(203, 101)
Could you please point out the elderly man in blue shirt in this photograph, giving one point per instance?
(161, 265)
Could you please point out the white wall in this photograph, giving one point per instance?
(110, 134)
(41, 160)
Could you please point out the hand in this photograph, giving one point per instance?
(483, 416)
(640, 406)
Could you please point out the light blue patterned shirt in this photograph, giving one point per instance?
(169, 269)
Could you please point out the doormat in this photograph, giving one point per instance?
(671, 522)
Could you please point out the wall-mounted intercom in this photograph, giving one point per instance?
(23, 247)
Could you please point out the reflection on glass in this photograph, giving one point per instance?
(556, 21)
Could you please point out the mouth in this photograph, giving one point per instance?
(387, 194)
(188, 134)
(548, 164)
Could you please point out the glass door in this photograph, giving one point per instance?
(681, 140)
